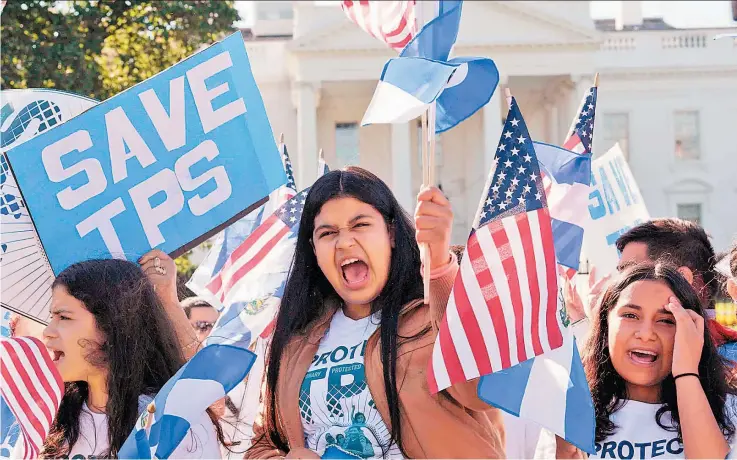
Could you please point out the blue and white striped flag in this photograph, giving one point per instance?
(566, 178)
(550, 390)
(207, 377)
(423, 74)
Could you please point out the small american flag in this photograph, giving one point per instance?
(32, 388)
(251, 252)
(581, 137)
(392, 22)
(503, 307)
(291, 185)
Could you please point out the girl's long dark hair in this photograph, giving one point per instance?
(608, 389)
(140, 351)
(307, 288)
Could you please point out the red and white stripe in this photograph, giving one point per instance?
(503, 307)
(32, 388)
(392, 22)
(574, 144)
(248, 255)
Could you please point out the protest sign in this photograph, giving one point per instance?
(615, 206)
(25, 285)
(165, 164)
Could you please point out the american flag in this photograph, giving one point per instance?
(251, 252)
(392, 22)
(32, 388)
(291, 185)
(581, 136)
(503, 306)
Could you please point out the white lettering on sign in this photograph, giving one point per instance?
(200, 205)
(203, 97)
(121, 133)
(125, 143)
(153, 216)
(102, 220)
(171, 127)
(70, 198)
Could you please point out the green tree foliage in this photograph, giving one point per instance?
(100, 48)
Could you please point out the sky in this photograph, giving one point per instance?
(682, 14)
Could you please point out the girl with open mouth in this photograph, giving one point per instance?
(346, 371)
(115, 347)
(659, 386)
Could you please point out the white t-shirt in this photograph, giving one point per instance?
(92, 443)
(639, 436)
(336, 406)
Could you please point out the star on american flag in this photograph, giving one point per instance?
(516, 184)
(582, 135)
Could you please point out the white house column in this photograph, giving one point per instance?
(493, 125)
(306, 98)
(554, 130)
(402, 165)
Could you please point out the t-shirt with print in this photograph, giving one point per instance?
(639, 436)
(338, 413)
(92, 443)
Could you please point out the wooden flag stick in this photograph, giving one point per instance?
(596, 80)
(320, 155)
(424, 248)
(151, 408)
(281, 138)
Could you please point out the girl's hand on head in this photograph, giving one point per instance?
(433, 224)
(162, 272)
(689, 339)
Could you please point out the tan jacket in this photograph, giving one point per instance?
(455, 423)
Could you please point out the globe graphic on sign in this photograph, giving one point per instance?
(48, 114)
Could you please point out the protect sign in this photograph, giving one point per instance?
(164, 164)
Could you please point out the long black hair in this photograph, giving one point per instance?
(608, 389)
(140, 349)
(307, 288)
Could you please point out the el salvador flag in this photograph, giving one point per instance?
(423, 74)
(207, 377)
(566, 177)
(550, 390)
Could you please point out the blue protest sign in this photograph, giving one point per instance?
(164, 164)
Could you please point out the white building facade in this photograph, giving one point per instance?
(668, 96)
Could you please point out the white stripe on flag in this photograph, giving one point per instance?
(391, 104)
(21, 355)
(565, 202)
(518, 253)
(481, 310)
(547, 387)
(460, 341)
(257, 246)
(188, 397)
(438, 366)
(496, 268)
(542, 278)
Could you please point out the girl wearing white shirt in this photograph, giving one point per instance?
(115, 347)
(658, 384)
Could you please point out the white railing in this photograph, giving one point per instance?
(667, 48)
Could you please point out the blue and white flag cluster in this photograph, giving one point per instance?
(423, 74)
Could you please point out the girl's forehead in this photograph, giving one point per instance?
(646, 294)
(341, 210)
